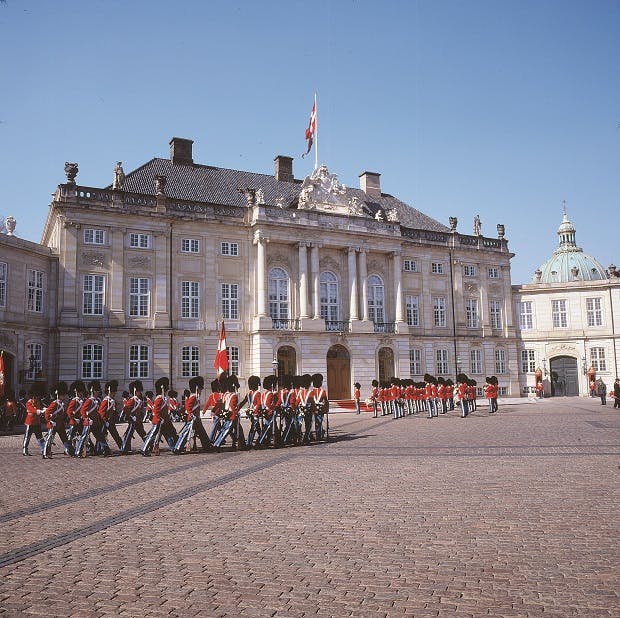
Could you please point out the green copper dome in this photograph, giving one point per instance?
(569, 262)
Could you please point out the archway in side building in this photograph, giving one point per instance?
(287, 361)
(338, 373)
(564, 376)
(6, 369)
(386, 364)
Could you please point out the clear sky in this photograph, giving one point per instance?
(497, 108)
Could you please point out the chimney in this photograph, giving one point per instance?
(181, 151)
(284, 168)
(370, 184)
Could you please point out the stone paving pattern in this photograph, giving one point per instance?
(514, 514)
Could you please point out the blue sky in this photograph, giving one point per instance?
(502, 109)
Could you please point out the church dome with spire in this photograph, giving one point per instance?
(569, 262)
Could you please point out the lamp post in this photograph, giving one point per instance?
(544, 361)
(584, 366)
(458, 366)
(274, 364)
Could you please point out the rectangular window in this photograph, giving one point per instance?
(526, 315)
(594, 312)
(442, 362)
(437, 268)
(139, 296)
(35, 290)
(472, 312)
(415, 362)
(500, 360)
(230, 249)
(493, 272)
(35, 360)
(528, 361)
(92, 361)
(92, 295)
(139, 241)
(412, 304)
(233, 360)
(94, 237)
(469, 270)
(138, 361)
(439, 311)
(558, 313)
(597, 359)
(475, 361)
(4, 271)
(502, 391)
(190, 245)
(190, 299)
(410, 266)
(230, 301)
(190, 361)
(495, 314)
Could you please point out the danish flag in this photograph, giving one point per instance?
(311, 129)
(221, 356)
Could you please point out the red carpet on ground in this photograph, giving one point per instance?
(349, 404)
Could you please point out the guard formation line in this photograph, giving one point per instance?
(290, 411)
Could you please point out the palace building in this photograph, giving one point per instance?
(133, 280)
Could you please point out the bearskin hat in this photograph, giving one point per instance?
(61, 389)
(306, 380)
(94, 386)
(494, 380)
(472, 382)
(37, 389)
(317, 380)
(461, 377)
(77, 387)
(136, 385)
(149, 394)
(449, 382)
(287, 381)
(233, 382)
(375, 383)
(162, 385)
(215, 386)
(440, 380)
(197, 382)
(173, 394)
(253, 383)
(357, 385)
(111, 386)
(428, 378)
(125, 395)
(269, 382)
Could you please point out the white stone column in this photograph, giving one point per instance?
(364, 280)
(398, 285)
(261, 261)
(353, 299)
(303, 280)
(314, 269)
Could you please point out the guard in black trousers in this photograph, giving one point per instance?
(107, 411)
(33, 418)
(133, 409)
(56, 417)
(193, 422)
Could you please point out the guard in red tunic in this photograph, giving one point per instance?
(306, 406)
(490, 392)
(287, 409)
(159, 409)
(33, 418)
(91, 421)
(254, 400)
(133, 410)
(374, 398)
(214, 405)
(193, 422)
(107, 412)
(321, 408)
(56, 418)
(462, 380)
(270, 433)
(230, 414)
(77, 391)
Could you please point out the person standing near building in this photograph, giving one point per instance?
(56, 417)
(601, 391)
(133, 410)
(107, 412)
(159, 410)
(356, 397)
(616, 392)
(374, 398)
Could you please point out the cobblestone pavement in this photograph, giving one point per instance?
(515, 514)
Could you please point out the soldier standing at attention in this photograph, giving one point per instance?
(356, 397)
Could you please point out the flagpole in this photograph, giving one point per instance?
(316, 134)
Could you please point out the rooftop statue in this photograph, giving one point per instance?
(323, 191)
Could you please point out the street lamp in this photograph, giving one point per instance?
(544, 360)
(458, 365)
(274, 363)
(584, 366)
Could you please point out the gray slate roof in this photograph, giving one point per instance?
(216, 185)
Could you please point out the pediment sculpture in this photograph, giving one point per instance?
(322, 191)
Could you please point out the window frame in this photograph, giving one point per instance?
(36, 290)
(528, 361)
(229, 300)
(437, 268)
(190, 245)
(142, 240)
(34, 350)
(234, 355)
(594, 314)
(190, 361)
(139, 361)
(229, 248)
(440, 312)
(412, 310)
(95, 362)
(4, 280)
(526, 317)
(95, 233)
(410, 266)
(329, 306)
(496, 318)
(190, 300)
(559, 313)
(442, 361)
(96, 296)
(139, 300)
(415, 362)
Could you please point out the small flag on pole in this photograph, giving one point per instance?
(2, 373)
(221, 356)
(311, 129)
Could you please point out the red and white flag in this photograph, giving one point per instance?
(2, 373)
(311, 129)
(221, 356)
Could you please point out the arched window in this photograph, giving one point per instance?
(330, 302)
(278, 294)
(375, 299)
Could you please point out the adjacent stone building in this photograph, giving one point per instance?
(307, 275)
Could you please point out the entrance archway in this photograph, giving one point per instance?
(287, 361)
(564, 376)
(386, 364)
(338, 373)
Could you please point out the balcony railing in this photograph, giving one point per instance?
(337, 326)
(385, 327)
(281, 324)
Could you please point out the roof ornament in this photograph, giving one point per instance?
(71, 171)
(355, 207)
(392, 215)
(8, 225)
(321, 190)
(501, 231)
(453, 221)
(477, 225)
(250, 195)
(260, 196)
(160, 184)
(119, 176)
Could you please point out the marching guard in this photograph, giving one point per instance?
(91, 421)
(374, 398)
(33, 419)
(133, 410)
(254, 399)
(321, 408)
(107, 412)
(491, 390)
(78, 389)
(287, 406)
(193, 422)
(159, 410)
(214, 404)
(270, 431)
(56, 417)
(231, 424)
